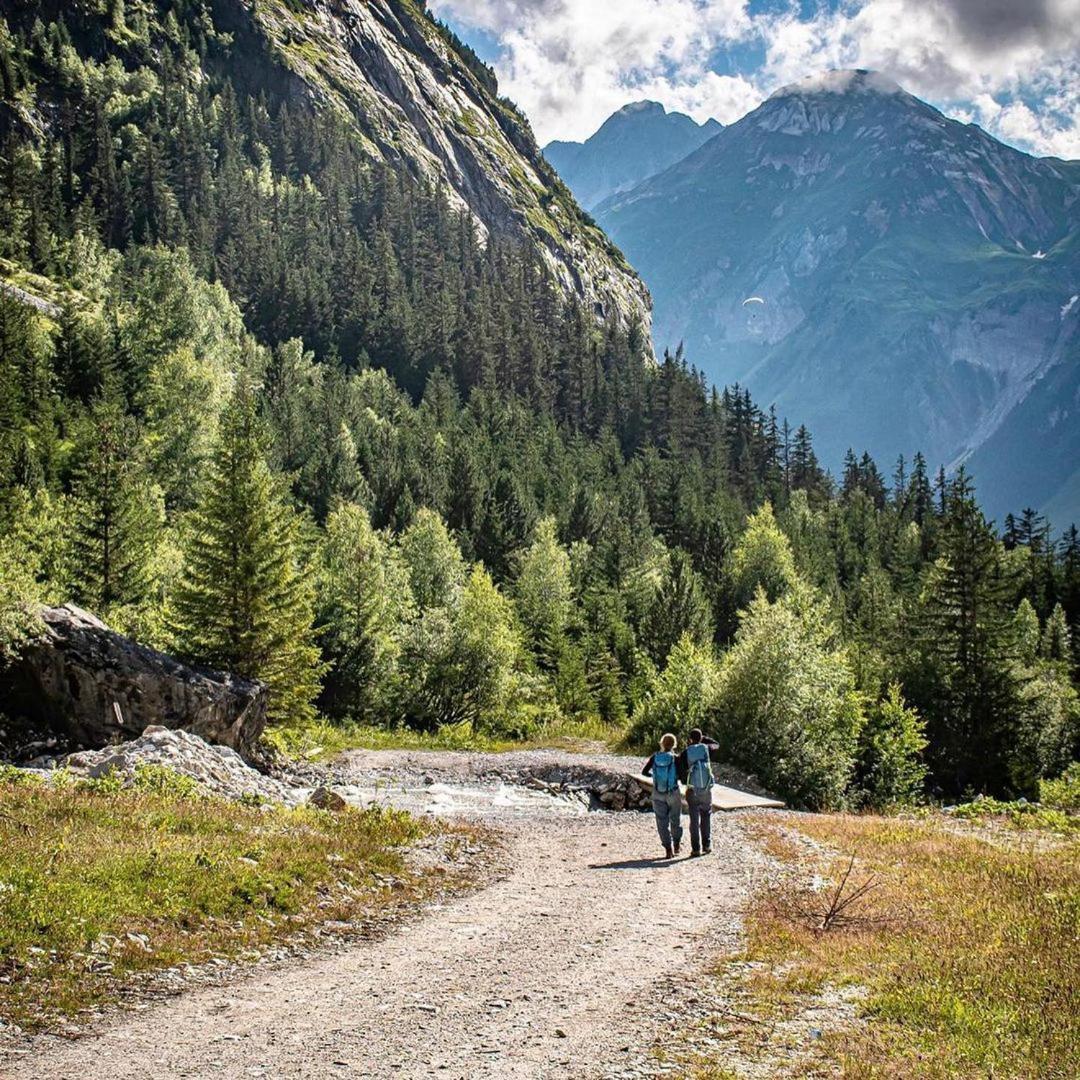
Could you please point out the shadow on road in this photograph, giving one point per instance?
(634, 864)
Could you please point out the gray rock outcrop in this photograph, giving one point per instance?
(95, 687)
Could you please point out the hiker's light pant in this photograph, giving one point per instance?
(668, 811)
(700, 804)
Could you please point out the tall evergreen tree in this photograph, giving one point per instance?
(118, 513)
(969, 684)
(245, 603)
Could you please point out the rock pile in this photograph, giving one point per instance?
(217, 769)
(603, 789)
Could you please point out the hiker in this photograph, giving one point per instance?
(666, 799)
(694, 768)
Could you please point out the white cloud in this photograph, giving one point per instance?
(1011, 65)
(571, 63)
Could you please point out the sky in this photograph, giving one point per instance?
(1012, 66)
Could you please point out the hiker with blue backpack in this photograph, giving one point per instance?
(666, 799)
(694, 767)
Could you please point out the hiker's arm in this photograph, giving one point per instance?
(682, 767)
(646, 769)
(714, 747)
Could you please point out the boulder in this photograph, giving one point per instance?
(95, 687)
(326, 798)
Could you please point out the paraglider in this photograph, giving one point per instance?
(753, 300)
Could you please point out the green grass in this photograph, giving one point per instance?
(1057, 809)
(967, 951)
(100, 884)
(321, 740)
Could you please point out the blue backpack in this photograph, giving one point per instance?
(697, 757)
(665, 778)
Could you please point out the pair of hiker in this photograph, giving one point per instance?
(692, 767)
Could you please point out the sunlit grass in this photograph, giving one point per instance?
(98, 885)
(320, 740)
(969, 952)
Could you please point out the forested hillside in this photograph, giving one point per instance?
(282, 409)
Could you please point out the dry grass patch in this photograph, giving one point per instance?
(99, 885)
(969, 952)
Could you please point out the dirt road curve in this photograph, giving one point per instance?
(564, 969)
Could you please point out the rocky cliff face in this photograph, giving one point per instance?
(419, 101)
(896, 279)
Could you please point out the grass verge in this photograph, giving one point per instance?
(321, 740)
(98, 885)
(962, 960)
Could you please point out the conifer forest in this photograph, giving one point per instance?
(280, 409)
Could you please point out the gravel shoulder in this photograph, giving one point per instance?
(569, 966)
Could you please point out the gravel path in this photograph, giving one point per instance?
(568, 967)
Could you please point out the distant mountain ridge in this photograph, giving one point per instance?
(637, 142)
(917, 277)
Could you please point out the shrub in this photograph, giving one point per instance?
(891, 770)
(787, 702)
(1064, 792)
(683, 697)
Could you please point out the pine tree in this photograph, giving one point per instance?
(679, 609)
(245, 603)
(1056, 644)
(118, 513)
(970, 685)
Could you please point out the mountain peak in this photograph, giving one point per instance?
(638, 108)
(846, 81)
(638, 141)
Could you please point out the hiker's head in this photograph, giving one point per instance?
(695, 735)
(668, 742)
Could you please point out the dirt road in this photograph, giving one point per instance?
(566, 968)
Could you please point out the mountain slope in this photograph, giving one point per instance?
(420, 99)
(414, 97)
(638, 141)
(910, 275)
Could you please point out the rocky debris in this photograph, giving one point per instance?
(326, 798)
(600, 781)
(602, 789)
(217, 769)
(94, 686)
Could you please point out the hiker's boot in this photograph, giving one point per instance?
(695, 854)
(668, 853)
(707, 850)
(676, 847)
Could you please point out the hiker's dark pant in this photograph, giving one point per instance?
(700, 804)
(668, 810)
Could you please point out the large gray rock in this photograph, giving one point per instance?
(97, 687)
